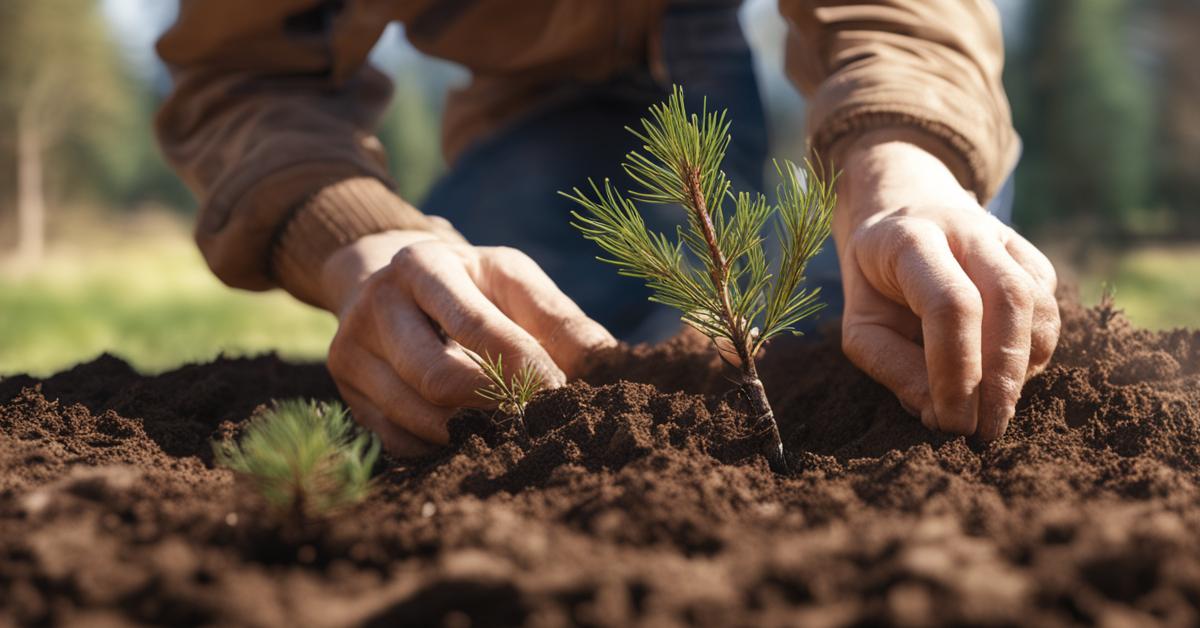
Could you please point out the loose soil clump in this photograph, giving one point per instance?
(638, 498)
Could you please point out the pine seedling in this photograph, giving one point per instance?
(715, 271)
(510, 394)
(305, 458)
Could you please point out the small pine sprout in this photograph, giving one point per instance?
(305, 458)
(511, 395)
(715, 271)
(1108, 304)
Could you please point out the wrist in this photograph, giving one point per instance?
(349, 266)
(886, 170)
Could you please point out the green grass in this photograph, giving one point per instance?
(1159, 288)
(151, 301)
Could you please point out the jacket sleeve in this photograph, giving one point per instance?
(930, 65)
(270, 123)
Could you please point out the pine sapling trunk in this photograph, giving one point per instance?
(736, 295)
(719, 272)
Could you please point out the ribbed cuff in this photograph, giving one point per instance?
(337, 215)
(961, 154)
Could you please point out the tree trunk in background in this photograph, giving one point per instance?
(31, 201)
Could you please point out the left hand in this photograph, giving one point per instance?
(948, 307)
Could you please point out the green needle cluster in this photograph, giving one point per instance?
(304, 458)
(510, 394)
(715, 270)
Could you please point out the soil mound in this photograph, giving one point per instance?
(638, 499)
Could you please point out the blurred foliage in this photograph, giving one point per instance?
(1105, 93)
(1156, 286)
(1175, 26)
(1106, 96)
(59, 63)
(1084, 114)
(411, 134)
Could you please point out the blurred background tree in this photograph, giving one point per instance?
(1084, 114)
(1175, 29)
(67, 101)
(1105, 94)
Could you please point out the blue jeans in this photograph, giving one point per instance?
(503, 189)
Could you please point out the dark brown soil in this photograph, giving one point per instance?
(634, 503)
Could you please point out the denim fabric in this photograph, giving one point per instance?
(503, 190)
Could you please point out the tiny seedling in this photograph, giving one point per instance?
(1108, 304)
(304, 458)
(510, 394)
(716, 270)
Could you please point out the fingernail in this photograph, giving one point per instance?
(996, 426)
(1002, 423)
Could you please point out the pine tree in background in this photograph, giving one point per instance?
(1084, 114)
(63, 95)
(1176, 24)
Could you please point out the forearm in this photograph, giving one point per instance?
(339, 216)
(349, 266)
(885, 170)
(932, 66)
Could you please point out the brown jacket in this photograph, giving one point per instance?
(272, 117)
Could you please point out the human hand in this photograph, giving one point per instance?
(946, 306)
(408, 302)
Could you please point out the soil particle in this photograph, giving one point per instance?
(638, 499)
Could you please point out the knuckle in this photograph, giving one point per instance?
(415, 255)
(469, 326)
(439, 385)
(956, 304)
(907, 236)
(509, 254)
(406, 257)
(338, 356)
(1051, 278)
(1005, 389)
(1043, 343)
(852, 343)
(439, 222)
(510, 262)
(1014, 291)
(904, 232)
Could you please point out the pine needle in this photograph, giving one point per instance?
(715, 270)
(303, 457)
(510, 394)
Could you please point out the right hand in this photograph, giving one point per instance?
(408, 301)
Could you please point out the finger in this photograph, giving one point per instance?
(523, 291)
(1031, 259)
(894, 361)
(1008, 293)
(404, 337)
(398, 441)
(1047, 321)
(373, 379)
(444, 291)
(931, 282)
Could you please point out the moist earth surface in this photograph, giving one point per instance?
(638, 499)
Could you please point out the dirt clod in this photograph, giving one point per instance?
(639, 498)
